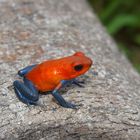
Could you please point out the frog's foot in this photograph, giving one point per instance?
(72, 106)
(78, 83)
(62, 101)
(26, 92)
(25, 70)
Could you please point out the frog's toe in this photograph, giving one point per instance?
(78, 83)
(70, 105)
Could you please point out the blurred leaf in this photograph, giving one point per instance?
(121, 21)
(124, 49)
(137, 66)
(137, 39)
(109, 9)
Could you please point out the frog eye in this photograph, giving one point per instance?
(78, 67)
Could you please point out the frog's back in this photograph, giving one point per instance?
(42, 76)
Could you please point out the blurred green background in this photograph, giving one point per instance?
(122, 20)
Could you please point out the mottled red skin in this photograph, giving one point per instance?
(47, 75)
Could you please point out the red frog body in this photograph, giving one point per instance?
(47, 76)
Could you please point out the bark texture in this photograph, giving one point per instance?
(36, 30)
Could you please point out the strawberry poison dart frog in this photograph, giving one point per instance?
(51, 75)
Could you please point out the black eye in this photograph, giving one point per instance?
(78, 67)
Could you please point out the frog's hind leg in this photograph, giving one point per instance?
(26, 92)
(25, 70)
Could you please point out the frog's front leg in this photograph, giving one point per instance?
(59, 98)
(78, 83)
(26, 92)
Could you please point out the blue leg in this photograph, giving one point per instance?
(60, 99)
(78, 83)
(26, 92)
(73, 81)
(25, 70)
